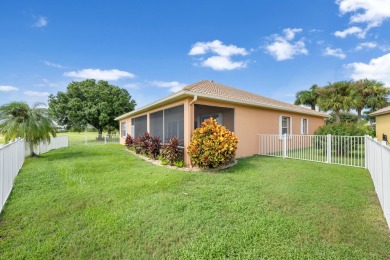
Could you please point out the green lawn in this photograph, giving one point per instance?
(101, 202)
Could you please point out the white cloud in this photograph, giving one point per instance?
(334, 52)
(372, 13)
(36, 93)
(217, 47)
(98, 74)
(173, 86)
(290, 33)
(377, 69)
(54, 65)
(223, 58)
(283, 49)
(40, 22)
(354, 30)
(223, 63)
(368, 45)
(8, 88)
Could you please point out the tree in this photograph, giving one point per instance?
(90, 102)
(335, 97)
(307, 97)
(377, 96)
(18, 120)
(369, 94)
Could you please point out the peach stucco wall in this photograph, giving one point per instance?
(248, 123)
(383, 126)
(251, 121)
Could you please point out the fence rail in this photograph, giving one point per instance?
(378, 164)
(343, 150)
(12, 156)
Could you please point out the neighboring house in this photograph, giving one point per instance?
(243, 113)
(382, 123)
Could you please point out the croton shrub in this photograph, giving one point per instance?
(212, 145)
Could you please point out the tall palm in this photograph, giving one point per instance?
(19, 120)
(307, 97)
(359, 91)
(377, 96)
(336, 97)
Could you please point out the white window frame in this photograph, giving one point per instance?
(304, 131)
(125, 128)
(281, 123)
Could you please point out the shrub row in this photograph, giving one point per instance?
(151, 146)
(211, 146)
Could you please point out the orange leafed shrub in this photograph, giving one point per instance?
(212, 145)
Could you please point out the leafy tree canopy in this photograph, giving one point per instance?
(90, 102)
(19, 120)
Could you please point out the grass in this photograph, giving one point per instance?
(102, 202)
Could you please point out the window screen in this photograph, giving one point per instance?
(174, 123)
(123, 129)
(140, 125)
(305, 126)
(286, 125)
(157, 124)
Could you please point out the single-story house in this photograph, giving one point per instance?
(244, 113)
(382, 123)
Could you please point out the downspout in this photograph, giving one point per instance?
(194, 100)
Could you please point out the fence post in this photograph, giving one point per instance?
(329, 148)
(284, 145)
(105, 139)
(366, 151)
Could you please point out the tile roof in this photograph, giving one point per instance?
(213, 90)
(220, 91)
(382, 111)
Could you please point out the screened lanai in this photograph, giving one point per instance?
(223, 115)
(167, 123)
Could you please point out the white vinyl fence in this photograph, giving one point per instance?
(378, 164)
(12, 156)
(343, 150)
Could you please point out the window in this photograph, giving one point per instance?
(217, 117)
(123, 129)
(285, 125)
(304, 126)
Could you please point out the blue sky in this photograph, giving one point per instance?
(270, 47)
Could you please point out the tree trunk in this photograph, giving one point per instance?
(337, 112)
(313, 107)
(100, 135)
(32, 149)
(359, 111)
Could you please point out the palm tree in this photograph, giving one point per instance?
(307, 97)
(377, 96)
(359, 92)
(19, 120)
(335, 97)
